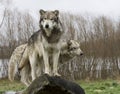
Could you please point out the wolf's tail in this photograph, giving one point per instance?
(14, 61)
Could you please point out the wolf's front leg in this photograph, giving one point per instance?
(45, 59)
(46, 62)
(55, 63)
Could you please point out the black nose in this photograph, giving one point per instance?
(46, 26)
(81, 54)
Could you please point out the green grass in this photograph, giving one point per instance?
(6, 85)
(101, 87)
(94, 87)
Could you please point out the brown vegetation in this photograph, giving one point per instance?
(99, 37)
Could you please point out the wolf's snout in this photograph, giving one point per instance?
(81, 54)
(46, 26)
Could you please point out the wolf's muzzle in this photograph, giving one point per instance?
(46, 26)
(81, 54)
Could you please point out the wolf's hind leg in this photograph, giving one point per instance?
(26, 75)
(33, 63)
(24, 60)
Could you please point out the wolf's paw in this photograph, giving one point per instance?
(56, 74)
(48, 73)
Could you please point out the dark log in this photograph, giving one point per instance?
(46, 84)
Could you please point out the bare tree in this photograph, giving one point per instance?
(3, 18)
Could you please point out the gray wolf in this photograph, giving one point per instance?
(52, 31)
(47, 42)
(68, 52)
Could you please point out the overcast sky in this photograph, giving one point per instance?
(105, 7)
(95, 6)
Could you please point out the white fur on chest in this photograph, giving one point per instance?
(47, 46)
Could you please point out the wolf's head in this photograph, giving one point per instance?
(49, 20)
(74, 48)
(70, 51)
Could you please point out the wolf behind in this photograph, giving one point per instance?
(67, 53)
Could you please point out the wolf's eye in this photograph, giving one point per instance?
(41, 19)
(51, 19)
(45, 18)
(73, 48)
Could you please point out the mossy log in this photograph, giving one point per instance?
(46, 84)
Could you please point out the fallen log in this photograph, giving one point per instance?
(46, 84)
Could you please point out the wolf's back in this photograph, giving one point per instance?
(14, 61)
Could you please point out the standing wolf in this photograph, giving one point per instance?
(68, 52)
(52, 30)
(46, 42)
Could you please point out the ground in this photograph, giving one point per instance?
(101, 87)
(6, 85)
(94, 87)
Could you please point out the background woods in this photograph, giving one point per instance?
(98, 35)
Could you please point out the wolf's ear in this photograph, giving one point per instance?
(69, 42)
(42, 12)
(56, 12)
(78, 41)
